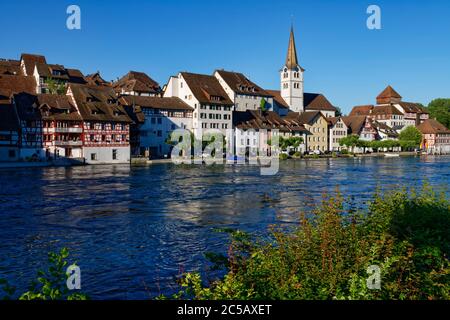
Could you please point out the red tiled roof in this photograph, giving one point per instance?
(317, 102)
(10, 85)
(30, 60)
(388, 95)
(278, 99)
(138, 82)
(354, 123)
(171, 103)
(432, 126)
(361, 110)
(206, 89)
(241, 84)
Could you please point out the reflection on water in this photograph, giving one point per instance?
(132, 230)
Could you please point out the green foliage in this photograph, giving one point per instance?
(49, 284)
(262, 105)
(440, 110)
(55, 87)
(291, 142)
(349, 141)
(405, 233)
(283, 156)
(410, 138)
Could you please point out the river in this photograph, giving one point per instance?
(133, 229)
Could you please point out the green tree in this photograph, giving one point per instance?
(349, 141)
(262, 105)
(55, 87)
(440, 110)
(410, 138)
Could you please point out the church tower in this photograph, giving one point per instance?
(292, 78)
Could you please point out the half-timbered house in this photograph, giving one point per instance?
(106, 125)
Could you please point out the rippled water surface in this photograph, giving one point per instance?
(132, 230)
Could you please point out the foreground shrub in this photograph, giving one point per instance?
(405, 233)
(50, 284)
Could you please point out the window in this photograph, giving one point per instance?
(159, 133)
(114, 154)
(12, 153)
(159, 120)
(153, 121)
(93, 156)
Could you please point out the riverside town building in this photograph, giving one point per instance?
(52, 113)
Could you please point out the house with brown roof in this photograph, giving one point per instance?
(254, 128)
(316, 124)
(106, 124)
(15, 93)
(392, 111)
(361, 126)
(62, 127)
(155, 119)
(245, 94)
(337, 129)
(435, 137)
(95, 79)
(212, 106)
(137, 84)
(36, 66)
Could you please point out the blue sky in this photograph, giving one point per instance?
(343, 59)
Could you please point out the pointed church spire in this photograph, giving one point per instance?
(291, 59)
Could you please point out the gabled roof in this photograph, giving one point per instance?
(389, 95)
(362, 110)
(98, 103)
(432, 126)
(386, 110)
(333, 120)
(10, 67)
(382, 127)
(355, 123)
(269, 120)
(96, 79)
(30, 61)
(303, 118)
(138, 82)
(206, 89)
(317, 102)
(10, 85)
(76, 76)
(58, 107)
(170, 103)
(411, 107)
(240, 84)
(278, 99)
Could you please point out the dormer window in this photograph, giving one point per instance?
(90, 99)
(56, 72)
(111, 101)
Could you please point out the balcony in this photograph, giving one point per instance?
(68, 143)
(65, 130)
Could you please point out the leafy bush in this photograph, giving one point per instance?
(49, 284)
(283, 156)
(405, 233)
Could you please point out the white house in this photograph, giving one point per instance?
(158, 118)
(337, 130)
(245, 94)
(212, 106)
